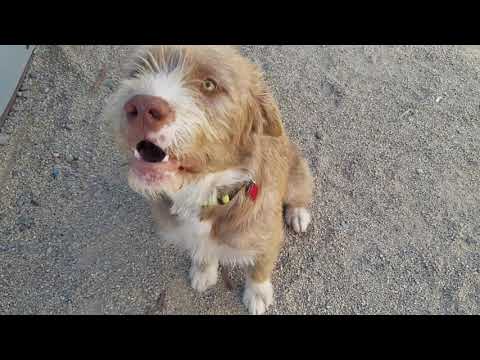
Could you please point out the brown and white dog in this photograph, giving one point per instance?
(208, 149)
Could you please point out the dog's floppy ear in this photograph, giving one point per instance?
(262, 115)
(264, 110)
(271, 118)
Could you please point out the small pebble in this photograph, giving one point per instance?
(24, 222)
(3, 139)
(419, 171)
(47, 90)
(438, 99)
(34, 202)
(109, 83)
(55, 172)
(56, 155)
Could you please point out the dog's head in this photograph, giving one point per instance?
(186, 110)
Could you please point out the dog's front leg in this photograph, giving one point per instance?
(203, 273)
(258, 293)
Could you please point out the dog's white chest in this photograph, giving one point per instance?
(193, 235)
(182, 226)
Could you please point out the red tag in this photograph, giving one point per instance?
(253, 191)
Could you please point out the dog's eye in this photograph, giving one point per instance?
(209, 85)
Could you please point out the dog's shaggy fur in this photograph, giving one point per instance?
(208, 116)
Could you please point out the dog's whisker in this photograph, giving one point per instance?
(154, 62)
(146, 63)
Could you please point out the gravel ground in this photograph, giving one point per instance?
(392, 135)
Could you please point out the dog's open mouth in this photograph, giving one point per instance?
(150, 152)
(152, 163)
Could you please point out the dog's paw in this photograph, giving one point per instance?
(203, 277)
(298, 218)
(257, 297)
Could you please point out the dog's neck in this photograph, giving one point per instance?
(189, 200)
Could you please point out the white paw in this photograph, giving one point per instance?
(298, 218)
(203, 277)
(257, 297)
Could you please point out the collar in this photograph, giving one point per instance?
(224, 196)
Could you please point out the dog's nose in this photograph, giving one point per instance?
(154, 111)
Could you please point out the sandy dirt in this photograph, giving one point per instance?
(392, 135)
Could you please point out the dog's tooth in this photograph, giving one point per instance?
(165, 159)
(136, 154)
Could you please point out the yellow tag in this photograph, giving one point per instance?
(225, 199)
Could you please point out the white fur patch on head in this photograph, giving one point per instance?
(257, 297)
(170, 85)
(189, 117)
